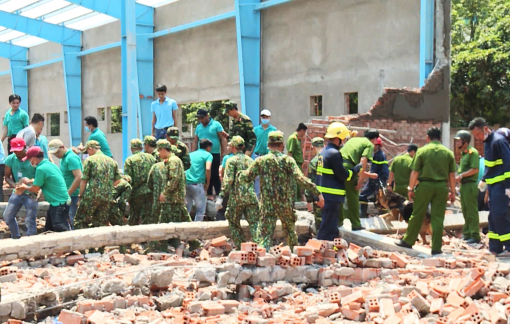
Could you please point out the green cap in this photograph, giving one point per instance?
(318, 142)
(463, 135)
(136, 143)
(150, 140)
(91, 144)
(173, 133)
(237, 141)
(163, 143)
(275, 137)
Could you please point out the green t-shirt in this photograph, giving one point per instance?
(401, 168)
(19, 168)
(211, 133)
(196, 173)
(69, 163)
(469, 160)
(434, 162)
(356, 148)
(15, 122)
(51, 181)
(98, 135)
(294, 147)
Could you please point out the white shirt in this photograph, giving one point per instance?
(28, 134)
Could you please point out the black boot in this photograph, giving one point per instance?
(364, 210)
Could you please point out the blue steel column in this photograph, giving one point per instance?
(130, 93)
(426, 39)
(72, 81)
(248, 52)
(145, 67)
(19, 78)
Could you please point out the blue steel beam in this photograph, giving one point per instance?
(72, 80)
(426, 39)
(99, 48)
(5, 72)
(145, 70)
(111, 8)
(18, 59)
(270, 3)
(36, 65)
(248, 51)
(130, 91)
(42, 29)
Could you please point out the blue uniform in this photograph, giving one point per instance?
(379, 166)
(331, 177)
(497, 177)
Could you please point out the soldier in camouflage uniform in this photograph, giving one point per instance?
(242, 126)
(137, 166)
(242, 198)
(150, 147)
(276, 170)
(100, 175)
(121, 195)
(172, 135)
(318, 145)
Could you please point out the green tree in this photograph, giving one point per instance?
(480, 79)
(216, 111)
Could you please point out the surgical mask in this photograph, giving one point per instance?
(265, 121)
(87, 129)
(33, 165)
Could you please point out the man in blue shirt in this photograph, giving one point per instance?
(164, 113)
(262, 131)
(212, 130)
(198, 177)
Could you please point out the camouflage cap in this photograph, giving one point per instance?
(173, 132)
(318, 142)
(91, 145)
(275, 137)
(237, 141)
(136, 143)
(150, 140)
(163, 143)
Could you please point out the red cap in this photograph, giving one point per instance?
(378, 141)
(17, 144)
(34, 151)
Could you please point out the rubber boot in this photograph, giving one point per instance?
(364, 210)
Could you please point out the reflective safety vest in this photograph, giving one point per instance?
(497, 159)
(328, 184)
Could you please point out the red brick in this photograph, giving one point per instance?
(72, 259)
(356, 297)
(436, 306)
(213, 309)
(455, 300)
(394, 319)
(219, 241)
(249, 247)
(353, 315)
(474, 287)
(204, 255)
(68, 317)
(401, 261)
(386, 307)
(303, 251)
(97, 317)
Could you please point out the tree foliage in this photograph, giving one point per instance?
(216, 111)
(480, 61)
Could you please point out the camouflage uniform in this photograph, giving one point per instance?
(151, 141)
(137, 166)
(312, 174)
(101, 172)
(276, 170)
(182, 150)
(242, 198)
(242, 126)
(121, 195)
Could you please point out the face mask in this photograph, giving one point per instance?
(265, 121)
(33, 165)
(87, 129)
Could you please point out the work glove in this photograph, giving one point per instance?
(482, 186)
(219, 203)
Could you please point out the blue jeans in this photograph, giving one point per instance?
(161, 133)
(12, 209)
(72, 210)
(196, 193)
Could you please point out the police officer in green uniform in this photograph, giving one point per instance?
(467, 176)
(400, 171)
(434, 167)
(355, 151)
(318, 145)
(294, 150)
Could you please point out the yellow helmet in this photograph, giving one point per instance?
(337, 129)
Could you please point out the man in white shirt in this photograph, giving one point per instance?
(29, 133)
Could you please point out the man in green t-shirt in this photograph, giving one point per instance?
(96, 134)
(294, 150)
(71, 168)
(49, 179)
(15, 120)
(400, 171)
(198, 177)
(467, 176)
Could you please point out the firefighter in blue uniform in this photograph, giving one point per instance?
(331, 177)
(379, 167)
(497, 181)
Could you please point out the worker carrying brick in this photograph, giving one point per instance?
(379, 167)
(434, 167)
(276, 170)
(138, 166)
(355, 151)
(400, 171)
(242, 198)
(331, 178)
(318, 145)
(467, 177)
(497, 180)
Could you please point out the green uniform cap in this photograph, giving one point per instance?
(463, 135)
(91, 144)
(163, 143)
(318, 142)
(173, 133)
(150, 140)
(275, 137)
(136, 143)
(237, 141)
